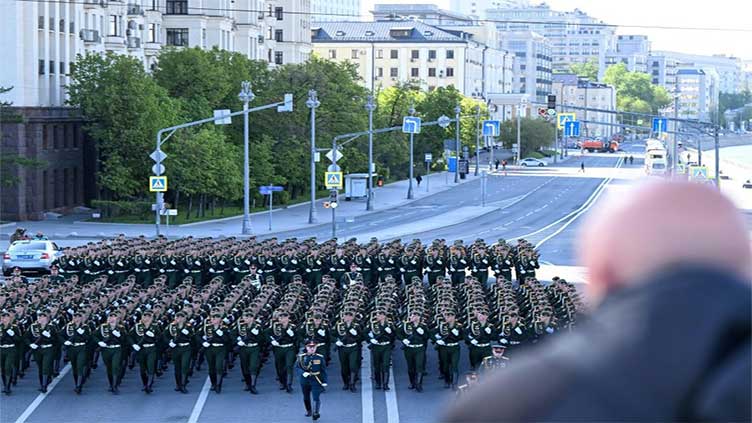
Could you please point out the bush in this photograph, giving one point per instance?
(122, 208)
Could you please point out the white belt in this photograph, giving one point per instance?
(349, 345)
(383, 343)
(184, 344)
(217, 345)
(480, 345)
(78, 344)
(255, 344)
(449, 344)
(147, 345)
(415, 345)
(7, 345)
(284, 345)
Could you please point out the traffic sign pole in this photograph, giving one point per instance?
(313, 103)
(160, 196)
(271, 205)
(477, 139)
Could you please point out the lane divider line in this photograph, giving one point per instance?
(366, 388)
(392, 409)
(38, 400)
(199, 406)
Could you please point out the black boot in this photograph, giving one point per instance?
(109, 380)
(307, 403)
(411, 376)
(377, 380)
(41, 383)
(184, 381)
(354, 380)
(219, 384)
(151, 384)
(386, 380)
(213, 379)
(5, 384)
(346, 382)
(178, 382)
(419, 384)
(247, 380)
(289, 383)
(145, 382)
(316, 407)
(254, 379)
(455, 379)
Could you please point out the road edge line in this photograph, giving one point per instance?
(38, 400)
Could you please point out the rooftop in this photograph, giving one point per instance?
(381, 31)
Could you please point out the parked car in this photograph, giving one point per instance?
(31, 256)
(530, 161)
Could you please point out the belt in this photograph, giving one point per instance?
(314, 373)
(184, 344)
(415, 346)
(171, 270)
(122, 271)
(147, 345)
(46, 346)
(382, 343)
(349, 345)
(480, 345)
(78, 344)
(217, 344)
(514, 342)
(255, 344)
(284, 345)
(450, 344)
(7, 345)
(112, 346)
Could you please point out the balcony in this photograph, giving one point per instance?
(134, 42)
(89, 4)
(90, 35)
(135, 10)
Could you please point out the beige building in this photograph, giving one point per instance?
(573, 94)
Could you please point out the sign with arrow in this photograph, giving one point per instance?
(660, 125)
(411, 125)
(564, 117)
(572, 128)
(491, 128)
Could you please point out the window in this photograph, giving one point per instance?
(414, 54)
(115, 29)
(414, 72)
(177, 7)
(40, 22)
(432, 72)
(393, 72)
(41, 67)
(380, 72)
(52, 67)
(62, 68)
(332, 53)
(278, 35)
(278, 57)
(152, 33)
(51, 27)
(279, 13)
(449, 72)
(61, 25)
(177, 37)
(354, 54)
(379, 54)
(431, 54)
(450, 54)
(72, 27)
(394, 54)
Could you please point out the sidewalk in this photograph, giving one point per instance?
(735, 168)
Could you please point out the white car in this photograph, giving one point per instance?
(529, 161)
(34, 255)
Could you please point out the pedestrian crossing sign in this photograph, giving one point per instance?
(698, 172)
(158, 183)
(333, 179)
(564, 117)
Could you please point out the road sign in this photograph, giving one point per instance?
(411, 125)
(572, 128)
(681, 168)
(333, 179)
(158, 155)
(698, 173)
(444, 121)
(265, 190)
(464, 166)
(542, 111)
(429, 157)
(491, 128)
(551, 112)
(330, 155)
(639, 122)
(222, 117)
(158, 183)
(333, 168)
(660, 125)
(158, 169)
(317, 157)
(564, 117)
(169, 212)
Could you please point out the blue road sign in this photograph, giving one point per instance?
(265, 190)
(660, 125)
(572, 128)
(411, 125)
(491, 128)
(698, 172)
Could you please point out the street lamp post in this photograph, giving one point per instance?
(370, 106)
(519, 144)
(410, 183)
(246, 96)
(313, 103)
(477, 139)
(457, 110)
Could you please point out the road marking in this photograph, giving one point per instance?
(392, 409)
(38, 400)
(366, 388)
(199, 406)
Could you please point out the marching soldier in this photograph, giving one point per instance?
(76, 338)
(448, 337)
(497, 360)
(352, 277)
(318, 330)
(179, 335)
(214, 338)
(480, 336)
(457, 265)
(348, 338)
(338, 264)
(513, 331)
(410, 266)
(10, 338)
(435, 265)
(481, 261)
(249, 336)
(502, 264)
(414, 334)
(145, 337)
(282, 336)
(42, 338)
(365, 265)
(288, 265)
(381, 336)
(386, 263)
(111, 338)
(313, 265)
(313, 380)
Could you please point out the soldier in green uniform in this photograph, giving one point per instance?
(480, 335)
(481, 262)
(76, 337)
(282, 337)
(179, 336)
(313, 265)
(55, 277)
(338, 264)
(414, 335)
(10, 338)
(365, 265)
(348, 337)
(42, 338)
(351, 277)
(317, 329)
(497, 360)
(249, 337)
(386, 263)
(145, 337)
(111, 338)
(313, 380)
(447, 337)
(435, 265)
(288, 265)
(410, 266)
(214, 337)
(381, 336)
(457, 265)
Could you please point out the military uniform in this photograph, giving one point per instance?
(249, 338)
(284, 344)
(215, 339)
(447, 338)
(180, 338)
(415, 337)
(145, 341)
(113, 344)
(348, 338)
(381, 337)
(77, 339)
(10, 339)
(42, 340)
(313, 379)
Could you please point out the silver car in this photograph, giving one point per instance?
(31, 256)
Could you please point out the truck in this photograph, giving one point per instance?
(656, 157)
(600, 146)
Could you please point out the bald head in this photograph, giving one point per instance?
(661, 224)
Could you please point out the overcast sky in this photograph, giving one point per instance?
(675, 13)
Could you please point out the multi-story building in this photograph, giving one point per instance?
(427, 13)
(729, 69)
(387, 53)
(633, 51)
(335, 10)
(662, 70)
(479, 8)
(698, 93)
(573, 94)
(288, 31)
(574, 36)
(532, 65)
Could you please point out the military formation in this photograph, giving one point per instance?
(163, 305)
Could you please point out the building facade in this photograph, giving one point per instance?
(631, 50)
(479, 8)
(335, 10)
(662, 70)
(532, 69)
(698, 93)
(427, 13)
(572, 91)
(730, 70)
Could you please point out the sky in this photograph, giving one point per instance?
(734, 14)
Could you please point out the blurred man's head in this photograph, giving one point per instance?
(658, 225)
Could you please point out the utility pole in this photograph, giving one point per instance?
(477, 139)
(519, 143)
(411, 111)
(457, 110)
(674, 148)
(246, 96)
(313, 103)
(717, 157)
(370, 106)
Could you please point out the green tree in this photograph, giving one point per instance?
(587, 69)
(124, 109)
(535, 134)
(635, 91)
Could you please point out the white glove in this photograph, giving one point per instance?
(306, 374)
(549, 330)
(235, 269)
(420, 331)
(184, 331)
(324, 385)
(406, 341)
(34, 346)
(137, 269)
(147, 261)
(294, 261)
(488, 330)
(219, 332)
(172, 344)
(387, 329)
(226, 321)
(518, 330)
(120, 263)
(246, 261)
(136, 347)
(284, 269)
(339, 343)
(110, 272)
(290, 332)
(321, 332)
(197, 263)
(353, 332)
(275, 343)
(308, 270)
(161, 270)
(455, 332)
(254, 331)
(102, 344)
(440, 342)
(46, 334)
(532, 262)
(116, 333)
(186, 271)
(222, 262)
(150, 333)
(370, 334)
(504, 341)
(380, 269)
(241, 343)
(522, 271)
(402, 269)
(269, 263)
(507, 262)
(205, 344)
(211, 269)
(474, 342)
(373, 341)
(428, 269)
(67, 343)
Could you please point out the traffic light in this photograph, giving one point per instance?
(551, 101)
(333, 198)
